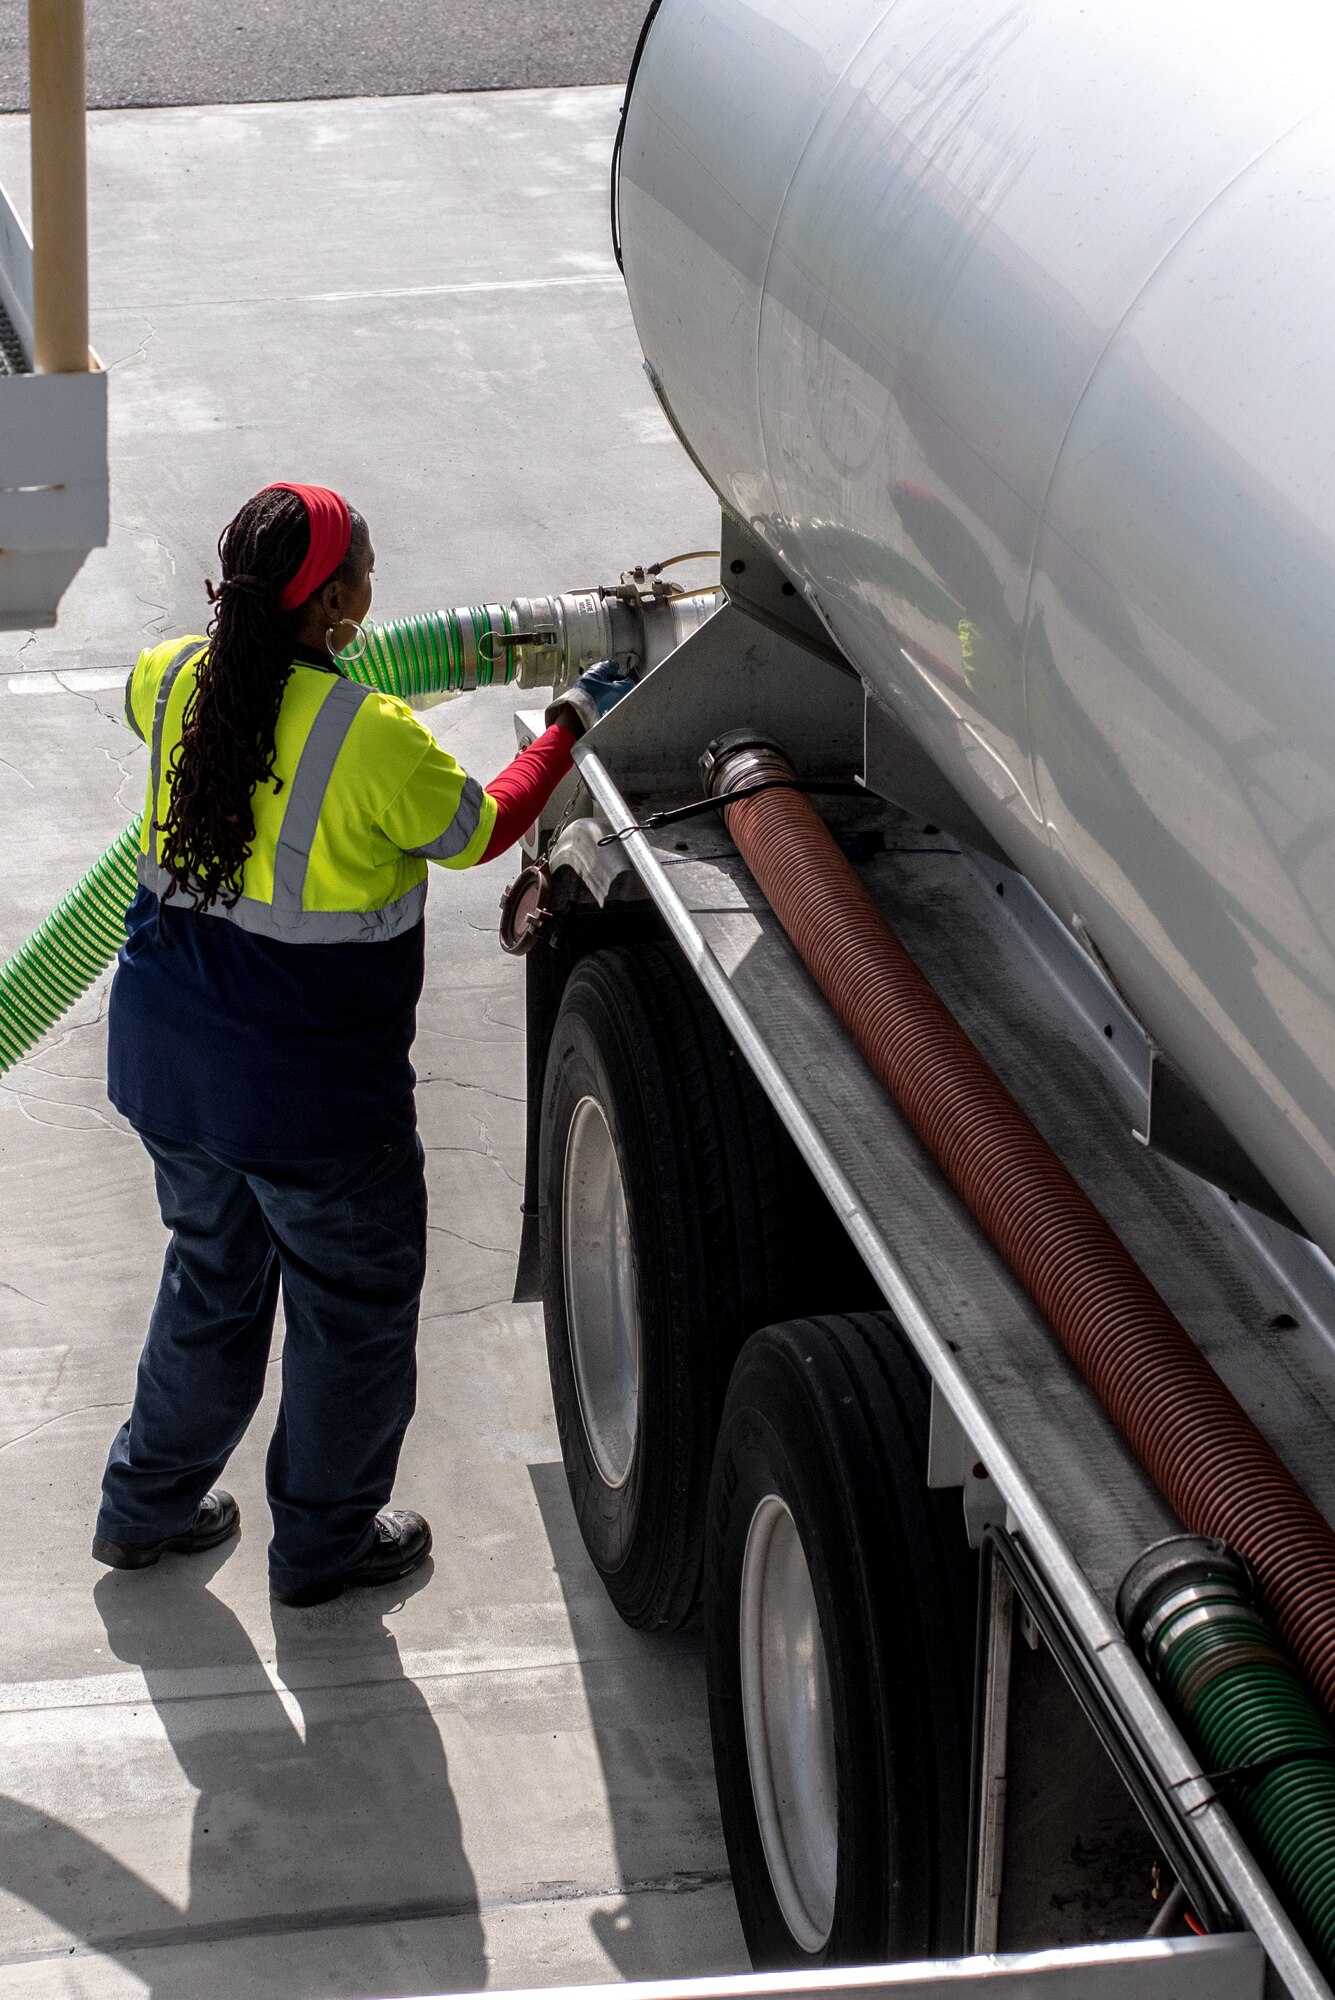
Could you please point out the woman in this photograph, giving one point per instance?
(260, 1025)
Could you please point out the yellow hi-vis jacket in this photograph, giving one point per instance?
(367, 798)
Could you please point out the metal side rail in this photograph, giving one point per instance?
(1215, 1968)
(1049, 1450)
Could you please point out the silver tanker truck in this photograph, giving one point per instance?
(931, 982)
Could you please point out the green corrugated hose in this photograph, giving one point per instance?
(64, 955)
(440, 652)
(1240, 1702)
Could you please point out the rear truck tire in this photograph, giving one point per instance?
(666, 1203)
(840, 1603)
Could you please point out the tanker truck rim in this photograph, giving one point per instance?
(840, 1611)
(602, 1311)
(789, 1722)
(667, 1149)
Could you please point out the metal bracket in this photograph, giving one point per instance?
(1169, 1114)
(734, 672)
(990, 1774)
(952, 1461)
(1163, 1803)
(896, 767)
(1178, 1123)
(755, 582)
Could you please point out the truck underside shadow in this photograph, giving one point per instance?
(646, 1701)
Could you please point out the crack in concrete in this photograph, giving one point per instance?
(501, 1096)
(140, 353)
(493, 1249)
(19, 1293)
(486, 1151)
(30, 1065)
(489, 1151)
(134, 778)
(85, 694)
(60, 1104)
(462, 1312)
(480, 1041)
(358, 1916)
(82, 1411)
(22, 775)
(510, 1027)
(156, 628)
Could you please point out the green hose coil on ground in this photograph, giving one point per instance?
(438, 652)
(1188, 1606)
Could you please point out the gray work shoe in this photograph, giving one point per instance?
(402, 1544)
(218, 1518)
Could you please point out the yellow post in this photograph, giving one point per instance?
(59, 186)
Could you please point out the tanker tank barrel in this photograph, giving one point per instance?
(1074, 532)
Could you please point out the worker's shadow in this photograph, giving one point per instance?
(326, 1853)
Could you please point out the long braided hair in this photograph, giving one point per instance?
(227, 737)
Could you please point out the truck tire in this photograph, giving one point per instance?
(840, 1608)
(665, 1223)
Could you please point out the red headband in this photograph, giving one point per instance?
(331, 534)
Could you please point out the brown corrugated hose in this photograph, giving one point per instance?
(1193, 1437)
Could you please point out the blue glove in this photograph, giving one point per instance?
(594, 695)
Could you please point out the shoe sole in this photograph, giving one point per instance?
(120, 1555)
(325, 1593)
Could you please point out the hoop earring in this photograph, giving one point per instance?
(344, 655)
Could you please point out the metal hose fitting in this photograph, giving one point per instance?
(1188, 1607)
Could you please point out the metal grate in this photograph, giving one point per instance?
(13, 361)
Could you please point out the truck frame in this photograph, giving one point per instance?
(1088, 1820)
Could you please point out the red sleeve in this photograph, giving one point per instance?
(524, 787)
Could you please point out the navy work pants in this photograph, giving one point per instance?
(347, 1240)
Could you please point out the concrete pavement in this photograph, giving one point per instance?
(485, 1777)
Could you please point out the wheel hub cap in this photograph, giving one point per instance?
(789, 1724)
(601, 1310)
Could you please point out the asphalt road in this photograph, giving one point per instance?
(255, 51)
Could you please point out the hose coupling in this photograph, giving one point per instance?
(1188, 1605)
(1183, 1577)
(743, 757)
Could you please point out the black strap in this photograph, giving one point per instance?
(670, 814)
(1278, 1760)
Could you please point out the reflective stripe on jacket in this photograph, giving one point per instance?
(367, 797)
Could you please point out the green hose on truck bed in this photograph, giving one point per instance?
(1188, 1607)
(437, 653)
